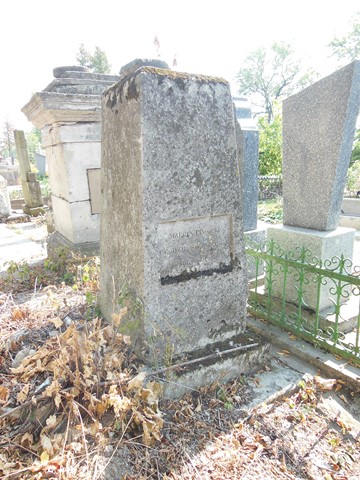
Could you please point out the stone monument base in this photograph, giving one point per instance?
(258, 237)
(220, 362)
(56, 241)
(323, 245)
(34, 211)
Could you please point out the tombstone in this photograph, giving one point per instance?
(249, 140)
(171, 245)
(40, 161)
(68, 112)
(10, 173)
(318, 133)
(350, 213)
(34, 203)
(5, 206)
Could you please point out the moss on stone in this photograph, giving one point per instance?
(182, 75)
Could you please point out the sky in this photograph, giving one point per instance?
(207, 37)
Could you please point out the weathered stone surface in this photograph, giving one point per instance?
(318, 133)
(68, 112)
(30, 186)
(73, 149)
(5, 207)
(171, 226)
(250, 159)
(23, 157)
(74, 220)
(60, 71)
(255, 267)
(142, 62)
(56, 241)
(222, 366)
(40, 163)
(10, 173)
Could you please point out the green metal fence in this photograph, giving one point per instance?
(314, 299)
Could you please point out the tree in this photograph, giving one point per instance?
(7, 147)
(353, 179)
(33, 141)
(347, 48)
(269, 74)
(96, 62)
(270, 142)
(355, 156)
(83, 56)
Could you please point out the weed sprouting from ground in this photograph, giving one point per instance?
(270, 211)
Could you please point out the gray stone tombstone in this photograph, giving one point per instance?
(318, 133)
(171, 226)
(5, 206)
(250, 161)
(248, 141)
(40, 163)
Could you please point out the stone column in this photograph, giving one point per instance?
(318, 133)
(34, 203)
(171, 228)
(68, 112)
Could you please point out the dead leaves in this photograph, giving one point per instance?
(325, 384)
(284, 353)
(18, 313)
(4, 394)
(68, 385)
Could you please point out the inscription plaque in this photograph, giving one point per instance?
(190, 246)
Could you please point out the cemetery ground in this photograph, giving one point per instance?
(73, 404)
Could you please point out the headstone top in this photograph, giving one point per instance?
(77, 80)
(130, 67)
(58, 72)
(242, 107)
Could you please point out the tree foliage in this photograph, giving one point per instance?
(33, 141)
(96, 62)
(270, 143)
(7, 141)
(269, 74)
(353, 178)
(355, 157)
(347, 48)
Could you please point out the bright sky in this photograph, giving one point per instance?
(208, 37)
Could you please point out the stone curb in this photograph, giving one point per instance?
(325, 362)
